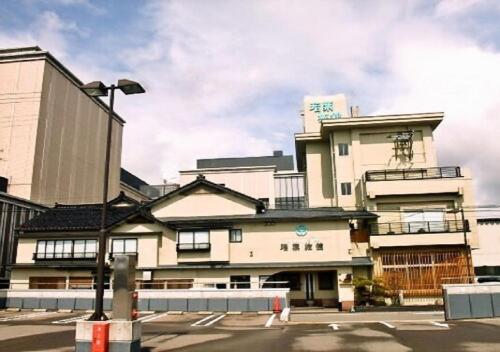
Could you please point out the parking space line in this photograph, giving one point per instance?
(27, 316)
(151, 317)
(202, 320)
(215, 320)
(387, 324)
(441, 325)
(270, 321)
(334, 326)
(72, 319)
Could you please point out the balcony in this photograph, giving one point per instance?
(436, 180)
(65, 256)
(413, 174)
(193, 247)
(417, 233)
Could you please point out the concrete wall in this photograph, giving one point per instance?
(71, 144)
(21, 91)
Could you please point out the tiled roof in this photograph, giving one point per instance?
(82, 217)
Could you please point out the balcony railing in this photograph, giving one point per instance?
(65, 256)
(413, 174)
(112, 254)
(186, 247)
(418, 227)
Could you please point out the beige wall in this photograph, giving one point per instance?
(20, 88)
(203, 203)
(319, 175)
(71, 144)
(256, 182)
(52, 136)
(488, 253)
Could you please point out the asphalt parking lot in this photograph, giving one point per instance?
(387, 332)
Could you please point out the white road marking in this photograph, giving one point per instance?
(429, 313)
(72, 319)
(270, 321)
(215, 320)
(202, 320)
(441, 325)
(151, 317)
(27, 316)
(334, 326)
(387, 324)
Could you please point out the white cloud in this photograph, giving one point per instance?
(226, 78)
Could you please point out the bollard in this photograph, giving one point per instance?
(100, 337)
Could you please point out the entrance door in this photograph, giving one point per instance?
(309, 286)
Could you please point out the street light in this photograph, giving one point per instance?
(99, 89)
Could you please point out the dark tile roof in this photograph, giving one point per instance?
(81, 217)
(131, 179)
(270, 215)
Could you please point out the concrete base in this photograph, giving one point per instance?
(124, 336)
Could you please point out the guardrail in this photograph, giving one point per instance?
(413, 174)
(186, 247)
(157, 284)
(418, 227)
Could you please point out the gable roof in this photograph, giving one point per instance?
(82, 217)
(202, 181)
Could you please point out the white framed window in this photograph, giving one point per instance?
(343, 149)
(345, 188)
(235, 235)
(124, 246)
(193, 239)
(60, 249)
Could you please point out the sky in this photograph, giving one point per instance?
(227, 78)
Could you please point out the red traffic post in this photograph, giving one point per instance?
(100, 337)
(277, 305)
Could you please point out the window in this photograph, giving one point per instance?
(240, 281)
(325, 280)
(124, 246)
(184, 284)
(77, 282)
(66, 249)
(345, 188)
(431, 220)
(343, 149)
(193, 240)
(235, 235)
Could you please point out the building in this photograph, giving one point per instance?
(14, 211)
(368, 199)
(486, 257)
(387, 164)
(52, 134)
(133, 186)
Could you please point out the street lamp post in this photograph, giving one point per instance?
(98, 89)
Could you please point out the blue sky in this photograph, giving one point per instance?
(227, 78)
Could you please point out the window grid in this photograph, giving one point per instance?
(66, 249)
(345, 188)
(343, 149)
(235, 235)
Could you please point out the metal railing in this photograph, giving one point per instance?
(413, 174)
(181, 247)
(418, 227)
(156, 284)
(65, 256)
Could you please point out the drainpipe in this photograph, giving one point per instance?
(334, 170)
